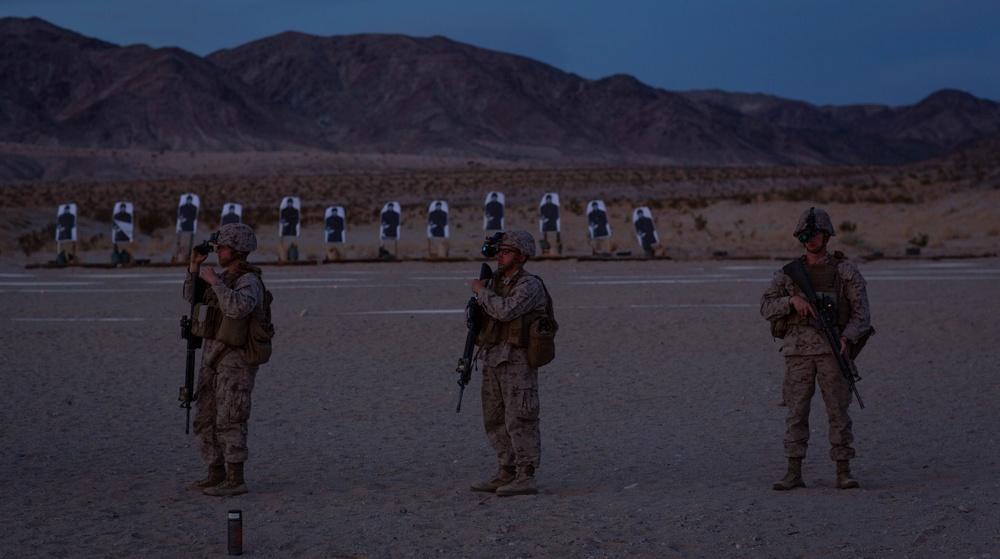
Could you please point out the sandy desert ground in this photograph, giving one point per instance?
(661, 421)
(661, 416)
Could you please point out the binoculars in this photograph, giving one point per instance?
(492, 245)
(208, 245)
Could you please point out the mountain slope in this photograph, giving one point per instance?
(393, 94)
(61, 87)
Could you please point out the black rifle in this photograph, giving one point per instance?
(473, 319)
(797, 271)
(187, 392)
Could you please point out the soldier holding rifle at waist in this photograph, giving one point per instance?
(841, 292)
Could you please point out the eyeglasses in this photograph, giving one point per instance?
(507, 251)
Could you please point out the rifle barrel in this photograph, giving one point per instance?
(464, 368)
(198, 286)
(796, 270)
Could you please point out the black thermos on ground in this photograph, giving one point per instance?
(236, 532)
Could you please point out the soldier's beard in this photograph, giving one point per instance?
(224, 262)
(504, 268)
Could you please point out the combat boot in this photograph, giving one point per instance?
(844, 478)
(524, 484)
(216, 475)
(793, 478)
(232, 485)
(505, 475)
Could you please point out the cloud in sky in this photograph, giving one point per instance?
(892, 52)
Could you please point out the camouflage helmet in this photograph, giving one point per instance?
(813, 220)
(520, 240)
(238, 236)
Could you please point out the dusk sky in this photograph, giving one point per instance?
(893, 52)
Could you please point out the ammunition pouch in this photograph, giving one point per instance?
(260, 330)
(514, 332)
(258, 349)
(542, 341)
(232, 331)
(211, 323)
(779, 326)
(203, 321)
(853, 349)
(542, 334)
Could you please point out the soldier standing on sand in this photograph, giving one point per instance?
(510, 300)
(226, 380)
(807, 352)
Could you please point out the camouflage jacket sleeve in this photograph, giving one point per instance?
(240, 300)
(188, 290)
(774, 303)
(856, 291)
(526, 296)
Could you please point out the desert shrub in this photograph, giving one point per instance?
(152, 220)
(33, 241)
(697, 203)
(260, 215)
(209, 221)
(358, 215)
(91, 242)
(919, 240)
(845, 195)
(848, 226)
(800, 194)
(101, 214)
(700, 222)
(854, 240)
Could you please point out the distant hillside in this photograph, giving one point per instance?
(392, 94)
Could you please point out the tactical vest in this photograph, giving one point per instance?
(829, 286)
(213, 324)
(515, 332)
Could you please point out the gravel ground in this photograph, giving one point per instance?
(661, 419)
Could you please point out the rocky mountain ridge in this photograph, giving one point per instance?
(433, 97)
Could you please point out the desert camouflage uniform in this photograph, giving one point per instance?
(808, 360)
(510, 385)
(223, 405)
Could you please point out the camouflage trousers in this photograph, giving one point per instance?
(510, 413)
(803, 374)
(222, 411)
